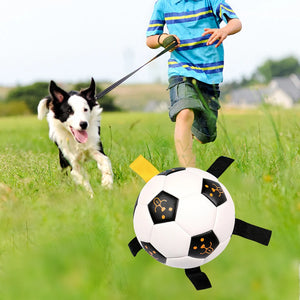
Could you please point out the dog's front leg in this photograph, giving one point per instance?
(104, 165)
(79, 177)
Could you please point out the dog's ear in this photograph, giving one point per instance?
(57, 93)
(89, 93)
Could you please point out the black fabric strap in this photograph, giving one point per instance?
(198, 278)
(134, 246)
(220, 165)
(252, 232)
(117, 83)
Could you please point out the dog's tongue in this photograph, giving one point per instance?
(80, 135)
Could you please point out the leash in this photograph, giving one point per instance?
(117, 83)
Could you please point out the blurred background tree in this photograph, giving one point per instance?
(107, 102)
(28, 97)
(29, 94)
(278, 68)
(265, 73)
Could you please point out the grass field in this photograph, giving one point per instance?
(57, 243)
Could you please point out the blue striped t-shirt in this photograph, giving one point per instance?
(187, 19)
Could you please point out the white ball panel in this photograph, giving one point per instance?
(185, 262)
(170, 240)
(228, 196)
(202, 174)
(153, 187)
(183, 183)
(195, 214)
(221, 247)
(142, 223)
(225, 218)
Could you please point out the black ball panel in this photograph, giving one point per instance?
(168, 172)
(135, 205)
(153, 252)
(163, 208)
(203, 245)
(213, 191)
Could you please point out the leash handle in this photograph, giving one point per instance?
(117, 83)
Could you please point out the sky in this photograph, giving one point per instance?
(73, 40)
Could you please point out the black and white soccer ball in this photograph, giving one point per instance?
(184, 217)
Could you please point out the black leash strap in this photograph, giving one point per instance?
(134, 246)
(195, 275)
(220, 165)
(117, 83)
(198, 278)
(252, 232)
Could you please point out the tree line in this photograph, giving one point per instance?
(25, 99)
(266, 72)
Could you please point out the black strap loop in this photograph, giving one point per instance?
(134, 246)
(252, 232)
(220, 165)
(198, 278)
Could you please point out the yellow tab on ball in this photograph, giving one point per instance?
(143, 168)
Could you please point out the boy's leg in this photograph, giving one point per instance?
(184, 139)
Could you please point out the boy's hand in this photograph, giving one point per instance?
(167, 39)
(233, 26)
(216, 34)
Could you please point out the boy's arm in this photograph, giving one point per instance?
(233, 26)
(152, 41)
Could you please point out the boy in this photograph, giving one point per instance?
(195, 65)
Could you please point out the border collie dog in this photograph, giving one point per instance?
(74, 126)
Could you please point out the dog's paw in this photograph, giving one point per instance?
(90, 191)
(107, 181)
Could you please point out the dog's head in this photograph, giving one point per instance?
(74, 109)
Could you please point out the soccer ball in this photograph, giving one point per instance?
(184, 217)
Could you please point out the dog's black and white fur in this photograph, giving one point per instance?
(74, 125)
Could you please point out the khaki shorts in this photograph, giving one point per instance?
(202, 98)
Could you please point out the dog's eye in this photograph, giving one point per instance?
(85, 109)
(70, 110)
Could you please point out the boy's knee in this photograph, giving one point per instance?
(185, 116)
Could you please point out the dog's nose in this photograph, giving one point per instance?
(83, 125)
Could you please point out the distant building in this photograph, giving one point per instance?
(282, 91)
(246, 97)
(156, 106)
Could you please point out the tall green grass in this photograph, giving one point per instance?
(57, 243)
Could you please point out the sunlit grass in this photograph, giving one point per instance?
(57, 243)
